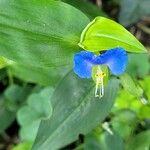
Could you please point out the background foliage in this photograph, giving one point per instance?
(43, 104)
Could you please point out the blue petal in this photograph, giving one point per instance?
(83, 62)
(116, 59)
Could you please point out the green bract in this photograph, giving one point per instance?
(103, 33)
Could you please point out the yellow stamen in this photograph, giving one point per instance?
(99, 83)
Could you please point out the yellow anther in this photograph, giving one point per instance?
(100, 75)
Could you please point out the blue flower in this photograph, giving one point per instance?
(116, 59)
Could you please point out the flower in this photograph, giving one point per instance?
(116, 59)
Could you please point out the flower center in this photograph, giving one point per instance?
(99, 89)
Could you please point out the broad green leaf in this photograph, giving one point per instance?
(129, 85)
(41, 75)
(102, 34)
(139, 142)
(75, 111)
(138, 68)
(29, 116)
(137, 9)
(88, 8)
(36, 34)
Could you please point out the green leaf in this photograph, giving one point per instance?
(139, 142)
(36, 33)
(29, 116)
(137, 9)
(102, 34)
(88, 8)
(130, 86)
(41, 75)
(75, 111)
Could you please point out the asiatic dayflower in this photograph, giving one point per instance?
(115, 59)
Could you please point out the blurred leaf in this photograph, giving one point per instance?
(102, 34)
(6, 116)
(74, 106)
(127, 101)
(3, 74)
(146, 86)
(124, 122)
(139, 142)
(116, 2)
(114, 141)
(2, 62)
(29, 132)
(126, 116)
(137, 9)
(87, 8)
(130, 86)
(23, 146)
(36, 33)
(147, 123)
(103, 141)
(138, 68)
(15, 96)
(38, 108)
(92, 142)
(144, 112)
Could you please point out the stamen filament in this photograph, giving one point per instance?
(99, 83)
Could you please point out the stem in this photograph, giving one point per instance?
(144, 28)
(10, 77)
(99, 3)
